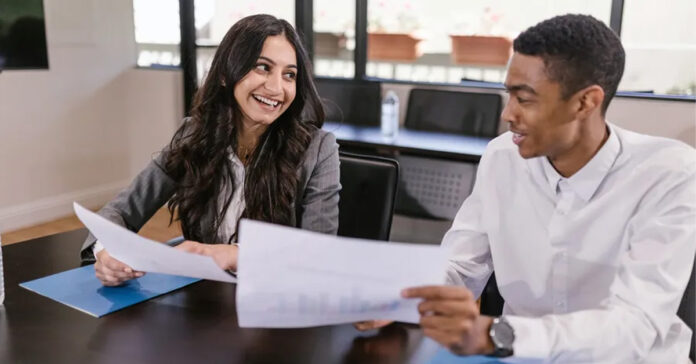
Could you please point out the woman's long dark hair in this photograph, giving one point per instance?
(198, 155)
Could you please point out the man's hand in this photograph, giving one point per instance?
(372, 324)
(225, 256)
(450, 316)
(112, 272)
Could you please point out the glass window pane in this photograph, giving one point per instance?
(660, 43)
(157, 32)
(334, 38)
(215, 17)
(451, 40)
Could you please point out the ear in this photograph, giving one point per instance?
(589, 100)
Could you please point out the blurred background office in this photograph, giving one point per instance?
(118, 75)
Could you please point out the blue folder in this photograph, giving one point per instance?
(80, 289)
(444, 356)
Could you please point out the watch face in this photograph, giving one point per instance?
(502, 334)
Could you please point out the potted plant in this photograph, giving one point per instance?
(483, 47)
(392, 38)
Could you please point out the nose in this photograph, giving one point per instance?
(507, 115)
(273, 83)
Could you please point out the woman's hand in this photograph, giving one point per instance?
(112, 272)
(371, 324)
(225, 256)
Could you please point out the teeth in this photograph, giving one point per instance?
(266, 101)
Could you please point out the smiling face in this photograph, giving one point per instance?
(543, 124)
(269, 88)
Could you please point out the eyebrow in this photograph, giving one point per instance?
(520, 87)
(273, 62)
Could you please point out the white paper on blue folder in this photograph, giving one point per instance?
(295, 278)
(146, 255)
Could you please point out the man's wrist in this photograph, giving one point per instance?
(487, 346)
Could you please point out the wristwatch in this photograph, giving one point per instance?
(502, 335)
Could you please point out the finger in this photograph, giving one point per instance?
(372, 324)
(114, 264)
(361, 326)
(191, 247)
(109, 280)
(121, 275)
(437, 292)
(460, 326)
(465, 307)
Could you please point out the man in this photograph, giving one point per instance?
(590, 228)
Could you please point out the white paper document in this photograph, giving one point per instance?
(146, 255)
(294, 278)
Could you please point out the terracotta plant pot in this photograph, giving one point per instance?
(392, 47)
(484, 50)
(328, 44)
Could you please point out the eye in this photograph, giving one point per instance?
(290, 75)
(262, 67)
(521, 100)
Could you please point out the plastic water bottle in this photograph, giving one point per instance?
(390, 115)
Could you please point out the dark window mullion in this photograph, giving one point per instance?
(616, 17)
(304, 18)
(187, 49)
(360, 53)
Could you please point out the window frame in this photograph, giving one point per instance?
(304, 10)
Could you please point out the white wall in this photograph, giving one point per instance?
(82, 129)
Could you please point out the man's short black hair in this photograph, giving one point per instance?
(578, 51)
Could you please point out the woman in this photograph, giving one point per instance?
(252, 148)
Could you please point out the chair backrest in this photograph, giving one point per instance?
(456, 112)
(367, 196)
(354, 102)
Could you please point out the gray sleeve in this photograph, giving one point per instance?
(320, 202)
(134, 206)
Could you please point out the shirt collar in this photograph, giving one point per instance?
(586, 181)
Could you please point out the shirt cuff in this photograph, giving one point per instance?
(96, 248)
(531, 337)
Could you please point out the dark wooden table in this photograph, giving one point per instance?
(197, 324)
(422, 143)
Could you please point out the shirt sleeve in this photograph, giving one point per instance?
(470, 261)
(134, 206)
(644, 297)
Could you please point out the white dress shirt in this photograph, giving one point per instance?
(592, 267)
(228, 227)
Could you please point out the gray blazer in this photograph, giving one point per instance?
(316, 205)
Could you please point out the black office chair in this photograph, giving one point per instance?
(456, 112)
(350, 101)
(492, 304)
(368, 191)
